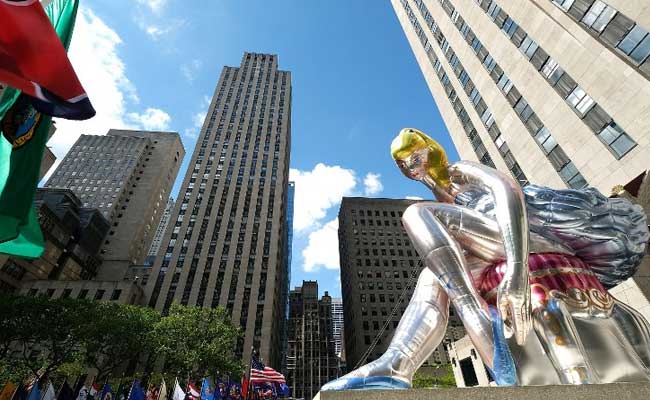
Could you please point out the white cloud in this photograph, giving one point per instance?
(189, 69)
(372, 184)
(198, 118)
(323, 247)
(94, 55)
(317, 191)
(153, 119)
(154, 5)
(414, 198)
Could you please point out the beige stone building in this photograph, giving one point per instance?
(556, 92)
(128, 176)
(226, 241)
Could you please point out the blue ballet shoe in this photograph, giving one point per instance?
(366, 383)
(504, 371)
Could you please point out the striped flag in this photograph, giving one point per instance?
(263, 374)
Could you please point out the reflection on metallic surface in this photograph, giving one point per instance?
(490, 240)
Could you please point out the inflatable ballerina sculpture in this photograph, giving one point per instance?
(526, 270)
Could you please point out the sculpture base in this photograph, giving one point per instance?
(617, 391)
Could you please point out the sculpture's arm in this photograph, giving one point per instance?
(510, 212)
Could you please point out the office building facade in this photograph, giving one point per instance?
(160, 231)
(127, 176)
(312, 360)
(337, 323)
(379, 270)
(225, 243)
(553, 92)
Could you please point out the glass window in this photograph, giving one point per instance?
(528, 47)
(509, 27)
(622, 145)
(542, 135)
(642, 50)
(504, 84)
(598, 16)
(564, 4)
(568, 172)
(632, 39)
(552, 71)
(580, 100)
(549, 144)
(578, 182)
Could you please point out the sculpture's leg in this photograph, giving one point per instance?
(443, 255)
(418, 334)
(557, 333)
(635, 328)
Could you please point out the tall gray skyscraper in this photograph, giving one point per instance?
(226, 241)
(160, 231)
(379, 270)
(127, 176)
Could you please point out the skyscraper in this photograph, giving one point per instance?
(554, 92)
(312, 359)
(127, 176)
(379, 270)
(225, 244)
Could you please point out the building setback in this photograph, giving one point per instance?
(127, 176)
(226, 241)
(556, 92)
(160, 231)
(379, 270)
(311, 360)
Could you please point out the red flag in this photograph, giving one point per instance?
(244, 386)
(33, 60)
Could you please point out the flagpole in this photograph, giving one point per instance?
(250, 367)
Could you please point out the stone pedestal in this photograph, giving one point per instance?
(615, 391)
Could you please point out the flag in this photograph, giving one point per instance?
(284, 389)
(220, 390)
(94, 389)
(107, 393)
(35, 392)
(49, 394)
(192, 392)
(152, 392)
(24, 134)
(119, 394)
(179, 394)
(20, 393)
(65, 392)
(207, 391)
(162, 391)
(33, 56)
(8, 391)
(136, 392)
(244, 386)
(83, 393)
(263, 374)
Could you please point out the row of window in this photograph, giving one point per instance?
(612, 135)
(477, 144)
(612, 28)
(554, 153)
(472, 92)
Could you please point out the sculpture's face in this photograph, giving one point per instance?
(418, 156)
(415, 165)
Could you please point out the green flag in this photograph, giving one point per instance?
(22, 143)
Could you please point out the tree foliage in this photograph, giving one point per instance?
(440, 379)
(57, 337)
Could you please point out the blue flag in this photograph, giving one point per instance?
(136, 391)
(107, 393)
(35, 393)
(207, 391)
(284, 389)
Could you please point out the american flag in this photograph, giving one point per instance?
(263, 374)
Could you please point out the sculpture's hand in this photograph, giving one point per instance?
(513, 301)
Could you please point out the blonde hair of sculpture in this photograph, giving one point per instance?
(410, 140)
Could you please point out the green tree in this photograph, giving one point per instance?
(442, 378)
(197, 341)
(119, 334)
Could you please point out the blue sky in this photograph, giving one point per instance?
(154, 64)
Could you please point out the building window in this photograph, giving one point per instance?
(116, 294)
(82, 294)
(564, 4)
(616, 139)
(99, 294)
(636, 44)
(580, 101)
(598, 16)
